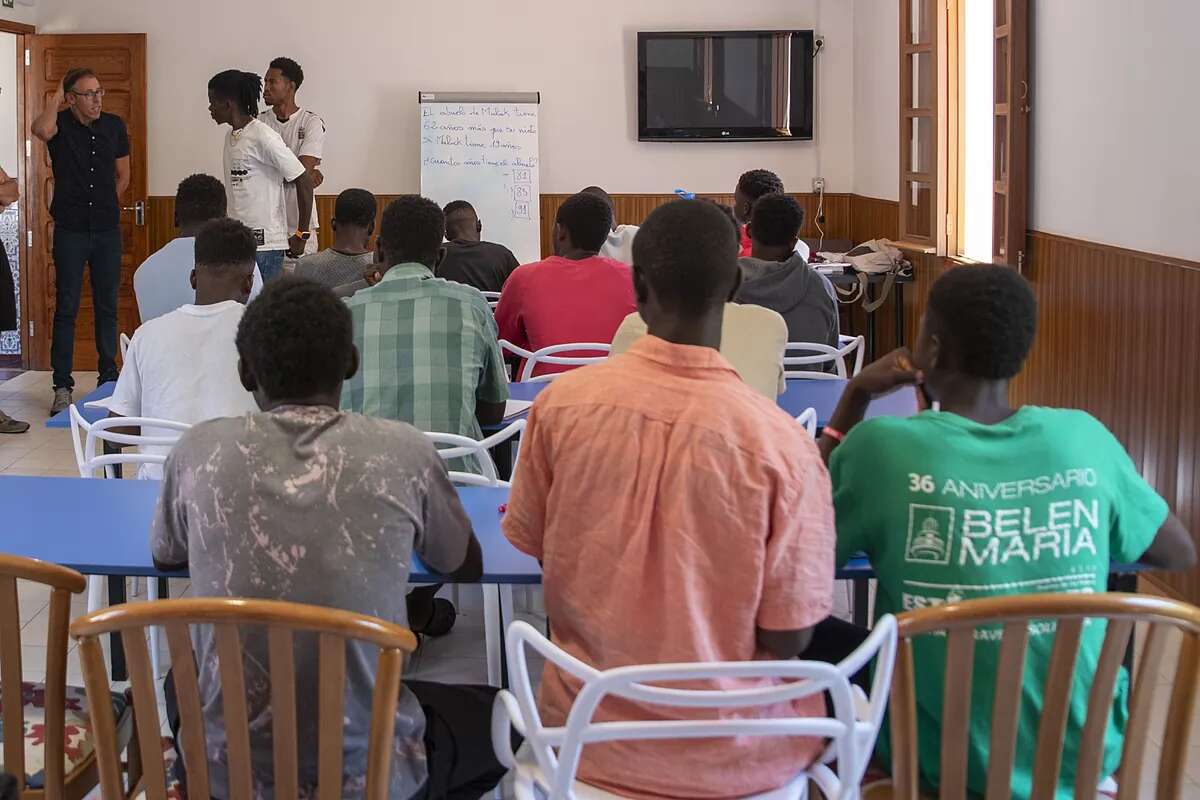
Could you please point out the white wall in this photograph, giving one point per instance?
(20, 13)
(365, 61)
(876, 98)
(1116, 123)
(8, 103)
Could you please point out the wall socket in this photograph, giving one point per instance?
(818, 185)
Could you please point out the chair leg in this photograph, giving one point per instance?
(152, 595)
(493, 630)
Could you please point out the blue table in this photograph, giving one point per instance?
(801, 394)
(102, 392)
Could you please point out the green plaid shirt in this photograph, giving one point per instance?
(428, 352)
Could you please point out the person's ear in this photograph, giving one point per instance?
(640, 290)
(247, 285)
(246, 376)
(479, 226)
(175, 219)
(370, 229)
(352, 367)
(333, 224)
(193, 278)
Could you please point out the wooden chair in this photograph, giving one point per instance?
(1070, 612)
(66, 772)
(334, 627)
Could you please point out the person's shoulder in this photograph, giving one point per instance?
(612, 263)
(385, 434)
(496, 247)
(1071, 424)
(309, 118)
(198, 441)
(112, 120)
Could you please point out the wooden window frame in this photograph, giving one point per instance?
(1010, 151)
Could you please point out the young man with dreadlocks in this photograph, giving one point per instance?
(257, 165)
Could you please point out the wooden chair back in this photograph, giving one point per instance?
(282, 620)
(1070, 611)
(63, 583)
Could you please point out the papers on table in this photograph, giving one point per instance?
(514, 407)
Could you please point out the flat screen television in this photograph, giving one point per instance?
(730, 86)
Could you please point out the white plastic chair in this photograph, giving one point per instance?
(90, 464)
(493, 299)
(545, 766)
(124, 343)
(856, 345)
(547, 356)
(808, 418)
(798, 355)
(497, 600)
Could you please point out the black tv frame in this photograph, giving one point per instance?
(754, 134)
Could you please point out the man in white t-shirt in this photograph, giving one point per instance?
(257, 165)
(163, 282)
(182, 366)
(301, 130)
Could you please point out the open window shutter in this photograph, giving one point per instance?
(1012, 131)
(919, 128)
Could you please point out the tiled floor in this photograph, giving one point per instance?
(457, 658)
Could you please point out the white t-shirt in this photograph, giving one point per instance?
(182, 367)
(163, 282)
(304, 134)
(619, 245)
(257, 165)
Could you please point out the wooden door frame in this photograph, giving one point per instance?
(21, 30)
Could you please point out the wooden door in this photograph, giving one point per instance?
(119, 60)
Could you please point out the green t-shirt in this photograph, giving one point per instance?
(949, 509)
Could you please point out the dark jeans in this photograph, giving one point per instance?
(458, 739)
(270, 263)
(72, 251)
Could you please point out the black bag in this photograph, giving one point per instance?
(8, 298)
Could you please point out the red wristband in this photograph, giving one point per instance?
(833, 433)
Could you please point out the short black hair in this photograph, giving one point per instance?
(596, 190)
(726, 210)
(289, 68)
(73, 77)
(412, 229)
(587, 220)
(225, 242)
(687, 252)
(355, 207)
(199, 198)
(776, 219)
(985, 316)
(457, 205)
(759, 182)
(243, 88)
(297, 338)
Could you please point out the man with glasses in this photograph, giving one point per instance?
(89, 153)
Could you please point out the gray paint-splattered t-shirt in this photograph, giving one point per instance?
(312, 505)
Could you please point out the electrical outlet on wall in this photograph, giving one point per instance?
(818, 185)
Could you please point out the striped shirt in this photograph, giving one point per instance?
(428, 352)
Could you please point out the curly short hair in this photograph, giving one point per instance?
(225, 242)
(199, 198)
(412, 229)
(759, 182)
(587, 219)
(296, 338)
(687, 253)
(289, 69)
(776, 219)
(355, 207)
(986, 317)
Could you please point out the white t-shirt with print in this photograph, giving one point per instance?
(304, 134)
(164, 280)
(182, 367)
(257, 165)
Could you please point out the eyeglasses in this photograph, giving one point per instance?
(94, 95)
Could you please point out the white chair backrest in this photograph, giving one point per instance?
(452, 446)
(547, 356)
(808, 418)
(856, 345)
(124, 342)
(799, 358)
(101, 431)
(852, 733)
(493, 299)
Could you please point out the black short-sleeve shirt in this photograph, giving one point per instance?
(484, 265)
(84, 158)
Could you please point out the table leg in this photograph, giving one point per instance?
(493, 632)
(898, 290)
(507, 615)
(116, 596)
(870, 326)
(862, 601)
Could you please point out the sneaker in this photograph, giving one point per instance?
(62, 399)
(10, 425)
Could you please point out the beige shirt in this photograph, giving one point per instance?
(753, 339)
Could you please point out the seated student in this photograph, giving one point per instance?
(182, 366)
(163, 282)
(484, 265)
(309, 504)
(995, 500)
(750, 186)
(775, 276)
(679, 515)
(619, 245)
(753, 339)
(353, 223)
(576, 295)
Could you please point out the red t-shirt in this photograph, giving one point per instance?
(559, 301)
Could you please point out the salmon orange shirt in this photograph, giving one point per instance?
(675, 510)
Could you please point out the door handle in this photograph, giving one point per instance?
(139, 212)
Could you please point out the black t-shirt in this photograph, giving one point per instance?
(484, 265)
(84, 158)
